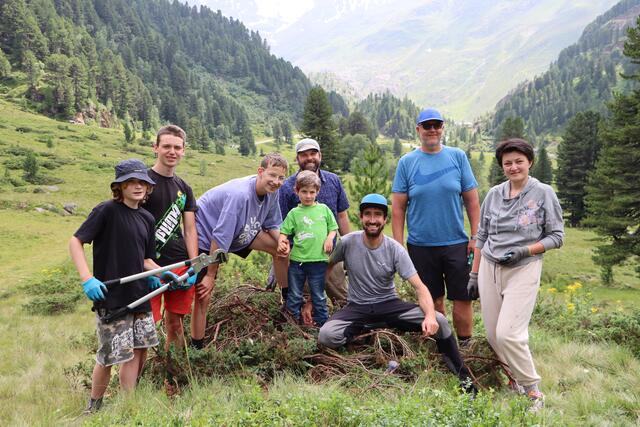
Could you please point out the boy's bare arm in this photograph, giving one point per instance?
(190, 234)
(76, 251)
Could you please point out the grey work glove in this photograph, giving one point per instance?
(514, 255)
(472, 286)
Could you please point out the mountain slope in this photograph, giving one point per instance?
(462, 56)
(583, 77)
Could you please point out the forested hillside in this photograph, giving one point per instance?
(582, 78)
(146, 61)
(393, 117)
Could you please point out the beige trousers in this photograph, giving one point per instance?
(507, 297)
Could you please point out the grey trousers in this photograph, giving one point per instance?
(349, 322)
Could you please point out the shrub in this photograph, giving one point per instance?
(53, 292)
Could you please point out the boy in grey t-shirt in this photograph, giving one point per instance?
(371, 260)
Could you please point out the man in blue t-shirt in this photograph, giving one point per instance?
(430, 186)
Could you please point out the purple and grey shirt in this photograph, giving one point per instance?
(232, 214)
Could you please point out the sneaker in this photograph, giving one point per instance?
(537, 400)
(515, 387)
(93, 406)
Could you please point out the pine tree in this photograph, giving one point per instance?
(577, 155)
(277, 132)
(613, 198)
(370, 176)
(512, 127)
(397, 148)
(542, 168)
(129, 133)
(318, 124)
(5, 66)
(286, 131)
(30, 167)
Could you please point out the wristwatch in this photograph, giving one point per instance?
(473, 237)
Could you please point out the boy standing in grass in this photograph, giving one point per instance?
(123, 244)
(313, 228)
(171, 204)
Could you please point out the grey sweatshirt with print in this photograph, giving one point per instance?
(532, 216)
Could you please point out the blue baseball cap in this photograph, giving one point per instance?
(374, 200)
(429, 114)
(132, 168)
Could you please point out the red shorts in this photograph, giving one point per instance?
(178, 301)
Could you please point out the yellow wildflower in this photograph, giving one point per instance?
(594, 310)
(552, 290)
(571, 307)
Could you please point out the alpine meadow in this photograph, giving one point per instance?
(86, 84)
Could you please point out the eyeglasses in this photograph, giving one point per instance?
(432, 125)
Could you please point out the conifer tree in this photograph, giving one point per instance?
(30, 167)
(370, 176)
(287, 133)
(613, 198)
(397, 147)
(277, 132)
(5, 66)
(542, 168)
(318, 124)
(577, 155)
(512, 127)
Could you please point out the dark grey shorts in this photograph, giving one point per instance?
(442, 266)
(118, 339)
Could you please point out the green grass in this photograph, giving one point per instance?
(586, 383)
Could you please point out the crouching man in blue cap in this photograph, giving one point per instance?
(371, 260)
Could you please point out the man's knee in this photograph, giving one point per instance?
(444, 329)
(332, 334)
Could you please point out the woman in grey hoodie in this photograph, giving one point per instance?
(520, 219)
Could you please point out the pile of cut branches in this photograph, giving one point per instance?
(248, 333)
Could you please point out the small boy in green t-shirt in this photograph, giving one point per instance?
(313, 228)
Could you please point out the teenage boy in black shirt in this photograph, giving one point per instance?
(171, 204)
(123, 244)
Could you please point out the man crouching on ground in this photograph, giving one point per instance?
(371, 260)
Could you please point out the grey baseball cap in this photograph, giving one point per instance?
(132, 168)
(307, 144)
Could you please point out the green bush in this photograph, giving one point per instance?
(53, 291)
(570, 310)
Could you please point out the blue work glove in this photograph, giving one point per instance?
(186, 284)
(94, 289)
(472, 286)
(514, 254)
(168, 276)
(193, 276)
(153, 283)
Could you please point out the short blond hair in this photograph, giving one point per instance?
(307, 179)
(274, 160)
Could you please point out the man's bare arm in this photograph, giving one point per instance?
(399, 210)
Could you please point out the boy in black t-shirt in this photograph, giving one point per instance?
(123, 244)
(171, 204)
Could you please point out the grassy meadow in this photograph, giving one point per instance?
(588, 382)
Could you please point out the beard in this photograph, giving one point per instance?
(310, 165)
(373, 233)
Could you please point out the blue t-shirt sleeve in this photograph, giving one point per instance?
(468, 180)
(400, 182)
